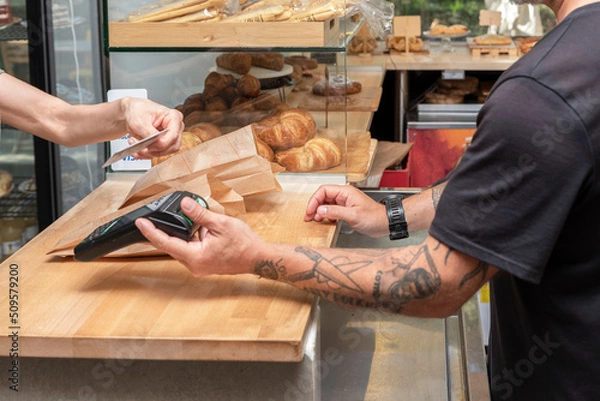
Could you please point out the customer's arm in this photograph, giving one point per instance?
(363, 214)
(427, 280)
(32, 110)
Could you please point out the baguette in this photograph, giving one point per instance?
(161, 11)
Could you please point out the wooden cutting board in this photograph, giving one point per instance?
(153, 308)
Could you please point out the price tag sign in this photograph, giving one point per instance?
(490, 18)
(407, 26)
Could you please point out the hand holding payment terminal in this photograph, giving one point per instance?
(164, 212)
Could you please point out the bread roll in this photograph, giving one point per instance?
(215, 83)
(237, 62)
(229, 94)
(242, 103)
(188, 141)
(193, 118)
(316, 154)
(286, 129)
(216, 104)
(248, 85)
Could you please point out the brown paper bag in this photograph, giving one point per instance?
(220, 198)
(231, 158)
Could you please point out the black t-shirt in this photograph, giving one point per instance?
(526, 199)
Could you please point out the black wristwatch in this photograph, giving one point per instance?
(396, 219)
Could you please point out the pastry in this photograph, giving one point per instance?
(263, 149)
(6, 182)
(438, 29)
(338, 85)
(188, 141)
(248, 85)
(205, 131)
(316, 154)
(464, 86)
(229, 95)
(363, 42)
(193, 118)
(215, 83)
(237, 62)
(399, 43)
(216, 104)
(286, 129)
(444, 98)
(242, 103)
(270, 61)
(456, 29)
(265, 102)
(525, 44)
(492, 39)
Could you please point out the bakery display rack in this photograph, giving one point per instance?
(185, 53)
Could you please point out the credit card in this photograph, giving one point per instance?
(134, 148)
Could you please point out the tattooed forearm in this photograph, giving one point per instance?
(481, 268)
(270, 269)
(336, 272)
(417, 279)
(448, 255)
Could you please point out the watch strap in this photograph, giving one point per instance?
(396, 219)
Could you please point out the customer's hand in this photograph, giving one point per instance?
(226, 245)
(350, 204)
(144, 118)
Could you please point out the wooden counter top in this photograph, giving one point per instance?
(459, 59)
(153, 308)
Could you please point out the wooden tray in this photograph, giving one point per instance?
(492, 50)
(366, 100)
(219, 34)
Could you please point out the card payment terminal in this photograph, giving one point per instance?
(164, 212)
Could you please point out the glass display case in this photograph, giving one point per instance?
(282, 69)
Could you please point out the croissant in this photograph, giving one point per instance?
(286, 129)
(205, 131)
(263, 149)
(316, 154)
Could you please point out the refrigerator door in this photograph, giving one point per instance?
(65, 60)
(18, 212)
